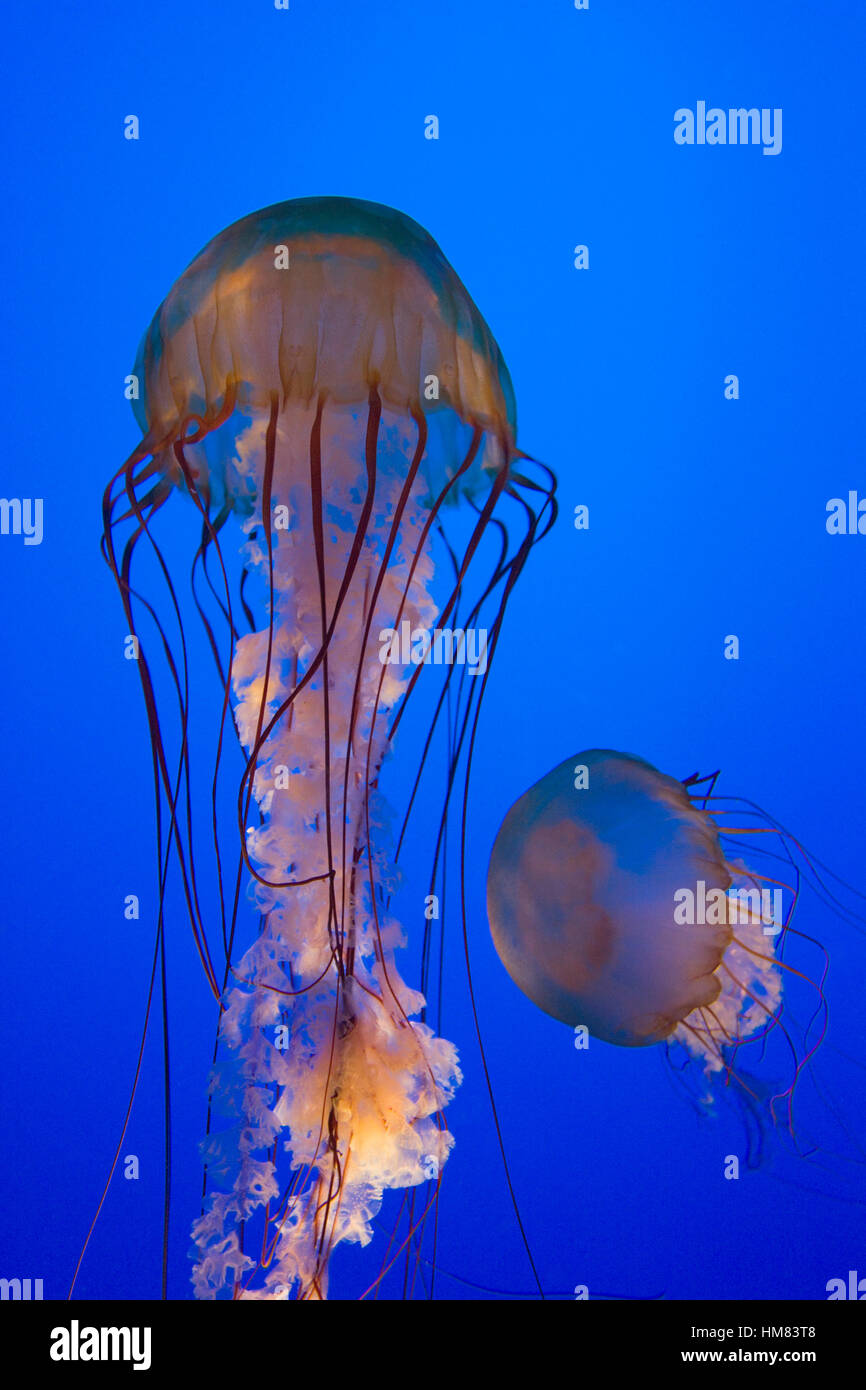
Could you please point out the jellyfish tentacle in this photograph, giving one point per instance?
(357, 1094)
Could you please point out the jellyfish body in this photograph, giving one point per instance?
(319, 373)
(612, 906)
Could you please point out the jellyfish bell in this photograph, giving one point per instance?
(612, 905)
(324, 299)
(320, 380)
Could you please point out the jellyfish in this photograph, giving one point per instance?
(324, 393)
(615, 907)
(642, 910)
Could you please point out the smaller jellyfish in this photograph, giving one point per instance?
(612, 905)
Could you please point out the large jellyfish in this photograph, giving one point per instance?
(319, 379)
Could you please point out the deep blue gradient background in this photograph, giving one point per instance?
(707, 517)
